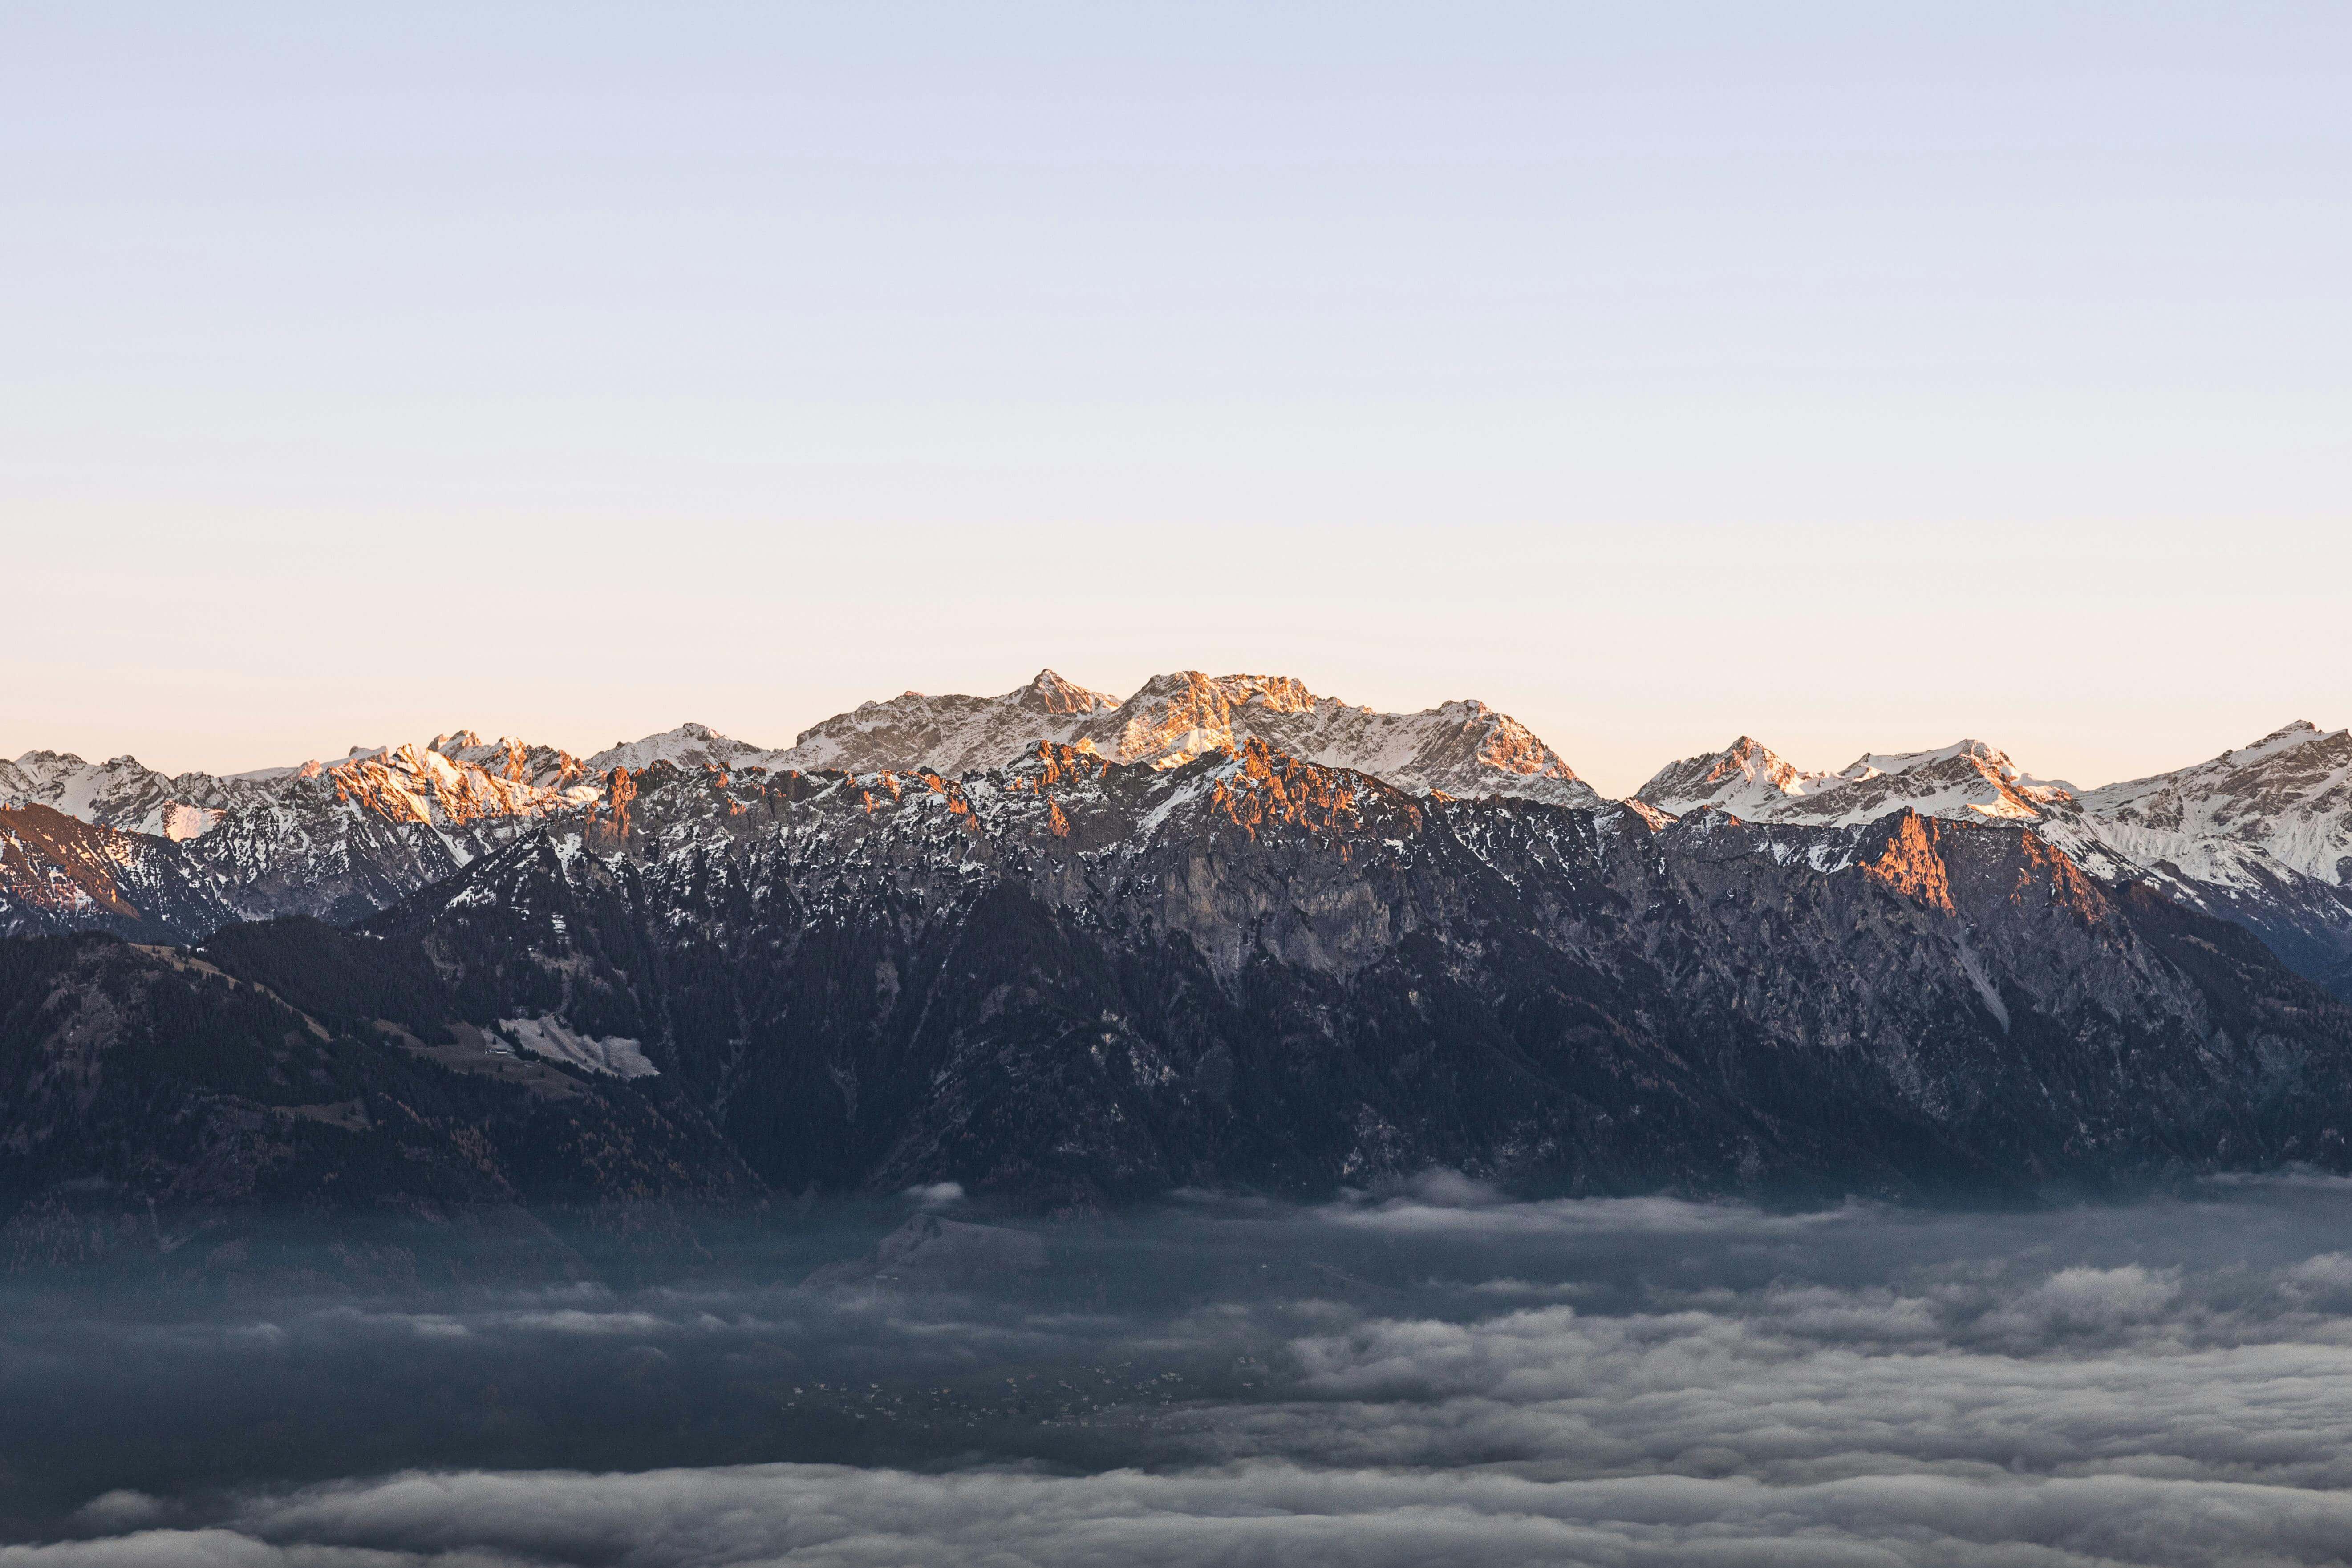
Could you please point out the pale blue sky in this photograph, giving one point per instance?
(1856, 376)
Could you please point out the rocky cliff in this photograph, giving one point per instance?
(1076, 983)
(2260, 835)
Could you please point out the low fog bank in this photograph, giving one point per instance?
(1437, 1375)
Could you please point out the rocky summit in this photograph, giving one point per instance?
(1160, 945)
(2261, 835)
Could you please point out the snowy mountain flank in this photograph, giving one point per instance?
(1748, 779)
(1069, 983)
(1069, 949)
(454, 779)
(2260, 835)
(123, 846)
(1462, 748)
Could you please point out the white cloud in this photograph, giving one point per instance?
(1269, 1514)
(1623, 1383)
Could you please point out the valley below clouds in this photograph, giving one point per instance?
(1430, 1376)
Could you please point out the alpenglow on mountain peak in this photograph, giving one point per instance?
(2261, 835)
(128, 848)
(457, 779)
(1462, 748)
(1749, 780)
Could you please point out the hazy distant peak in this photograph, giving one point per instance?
(1461, 747)
(1049, 693)
(1745, 778)
(689, 745)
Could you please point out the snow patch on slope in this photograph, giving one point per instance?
(1968, 779)
(2283, 803)
(552, 1036)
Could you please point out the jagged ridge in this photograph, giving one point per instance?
(2260, 835)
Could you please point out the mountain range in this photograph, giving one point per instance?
(116, 846)
(2261, 835)
(1069, 949)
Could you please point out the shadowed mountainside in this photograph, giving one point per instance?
(1070, 983)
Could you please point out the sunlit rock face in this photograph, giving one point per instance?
(1442, 913)
(1071, 982)
(1074, 983)
(1964, 780)
(143, 853)
(1461, 748)
(950, 734)
(456, 778)
(2260, 835)
(58, 873)
(342, 840)
(121, 793)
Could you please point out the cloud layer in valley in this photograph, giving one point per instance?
(1437, 1376)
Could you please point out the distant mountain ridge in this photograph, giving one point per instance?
(115, 846)
(1460, 747)
(2260, 835)
(455, 776)
(1749, 780)
(121, 846)
(1162, 950)
(1071, 984)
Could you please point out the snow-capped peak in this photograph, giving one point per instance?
(120, 792)
(1966, 779)
(1049, 693)
(2286, 738)
(1870, 764)
(1746, 779)
(518, 762)
(2246, 834)
(2283, 803)
(688, 746)
(1461, 748)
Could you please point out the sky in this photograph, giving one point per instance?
(1854, 377)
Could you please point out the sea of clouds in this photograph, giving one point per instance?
(1437, 1375)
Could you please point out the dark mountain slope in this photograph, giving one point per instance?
(59, 874)
(2261, 835)
(145, 1091)
(1080, 983)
